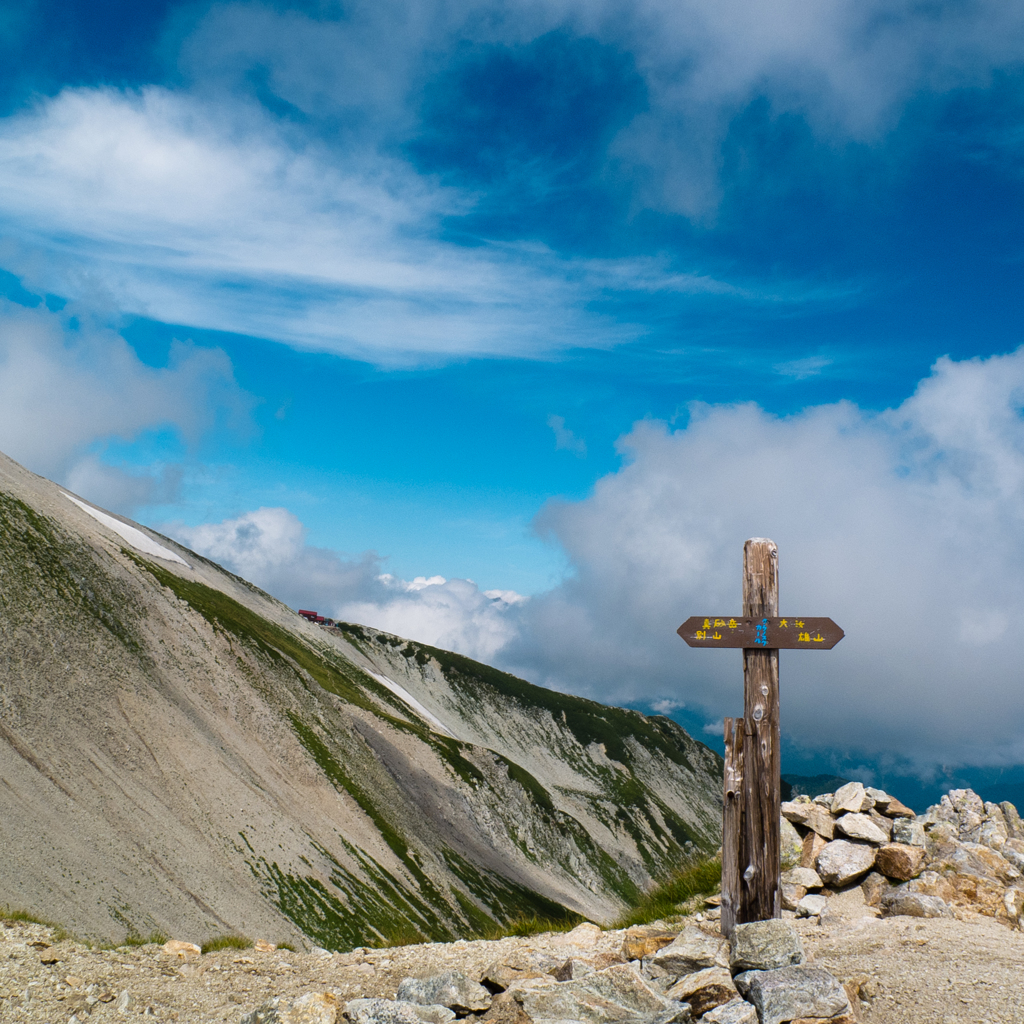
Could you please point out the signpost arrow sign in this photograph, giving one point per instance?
(752, 790)
(802, 633)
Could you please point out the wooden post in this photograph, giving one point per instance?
(760, 897)
(732, 824)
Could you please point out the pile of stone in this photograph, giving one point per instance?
(759, 977)
(962, 853)
(961, 856)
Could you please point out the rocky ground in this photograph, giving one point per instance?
(943, 945)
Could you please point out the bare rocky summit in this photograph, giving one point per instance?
(852, 964)
(181, 753)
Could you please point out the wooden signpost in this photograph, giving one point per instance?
(752, 786)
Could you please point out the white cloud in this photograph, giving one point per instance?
(212, 215)
(848, 67)
(196, 206)
(64, 388)
(116, 488)
(906, 527)
(268, 547)
(452, 614)
(666, 705)
(565, 439)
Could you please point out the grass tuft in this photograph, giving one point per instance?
(402, 934)
(153, 939)
(227, 942)
(13, 914)
(696, 880)
(533, 925)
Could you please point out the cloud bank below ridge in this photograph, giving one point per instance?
(905, 526)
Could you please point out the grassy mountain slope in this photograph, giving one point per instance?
(181, 752)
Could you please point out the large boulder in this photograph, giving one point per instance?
(908, 831)
(875, 886)
(897, 810)
(900, 861)
(693, 950)
(913, 904)
(851, 798)
(813, 845)
(811, 905)
(860, 826)
(792, 993)
(739, 1011)
(616, 994)
(645, 940)
(791, 895)
(879, 798)
(704, 990)
(764, 945)
(806, 877)
(790, 844)
(809, 815)
(391, 1011)
(312, 1008)
(450, 988)
(1014, 828)
(842, 862)
(930, 883)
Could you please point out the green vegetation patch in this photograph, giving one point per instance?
(47, 571)
(153, 939)
(342, 781)
(537, 793)
(697, 880)
(588, 721)
(267, 638)
(226, 942)
(508, 901)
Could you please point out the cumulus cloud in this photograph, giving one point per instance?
(906, 527)
(268, 546)
(65, 386)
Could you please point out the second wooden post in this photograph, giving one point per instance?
(759, 857)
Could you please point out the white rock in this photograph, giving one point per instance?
(842, 862)
(860, 826)
(851, 798)
(807, 877)
(811, 905)
(879, 797)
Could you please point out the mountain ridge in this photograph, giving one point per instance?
(179, 750)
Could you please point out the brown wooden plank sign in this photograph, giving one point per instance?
(752, 786)
(802, 633)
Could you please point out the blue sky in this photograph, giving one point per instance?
(351, 295)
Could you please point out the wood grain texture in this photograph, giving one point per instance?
(760, 897)
(732, 824)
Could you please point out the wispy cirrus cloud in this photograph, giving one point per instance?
(213, 217)
(272, 190)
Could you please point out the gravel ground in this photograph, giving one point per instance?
(914, 971)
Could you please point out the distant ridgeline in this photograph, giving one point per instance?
(182, 753)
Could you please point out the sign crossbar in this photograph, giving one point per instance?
(799, 633)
